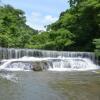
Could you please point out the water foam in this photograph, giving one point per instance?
(53, 64)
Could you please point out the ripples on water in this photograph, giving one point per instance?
(50, 85)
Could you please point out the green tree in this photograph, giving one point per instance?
(82, 19)
(13, 29)
(97, 45)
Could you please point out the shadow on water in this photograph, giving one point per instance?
(51, 86)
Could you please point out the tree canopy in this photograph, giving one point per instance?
(13, 29)
(82, 20)
(77, 29)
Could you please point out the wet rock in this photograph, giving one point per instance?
(39, 66)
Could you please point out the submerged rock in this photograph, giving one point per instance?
(39, 66)
(54, 64)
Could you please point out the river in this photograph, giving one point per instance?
(48, 85)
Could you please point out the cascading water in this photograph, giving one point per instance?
(9, 53)
(69, 64)
(51, 60)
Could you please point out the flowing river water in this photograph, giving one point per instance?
(64, 75)
(49, 85)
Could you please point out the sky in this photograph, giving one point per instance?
(39, 13)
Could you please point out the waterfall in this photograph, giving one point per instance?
(9, 53)
(48, 63)
(72, 64)
(25, 59)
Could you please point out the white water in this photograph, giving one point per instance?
(53, 64)
(12, 53)
(10, 77)
(23, 59)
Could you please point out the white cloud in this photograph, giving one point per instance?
(36, 26)
(35, 15)
(39, 12)
(38, 20)
(39, 27)
(50, 18)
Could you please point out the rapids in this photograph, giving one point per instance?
(23, 60)
(52, 64)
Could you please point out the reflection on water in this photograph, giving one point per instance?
(50, 86)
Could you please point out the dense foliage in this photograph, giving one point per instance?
(97, 43)
(77, 29)
(53, 40)
(82, 20)
(13, 29)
